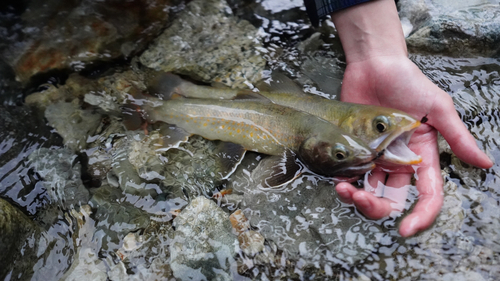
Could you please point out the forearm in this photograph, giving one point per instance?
(371, 29)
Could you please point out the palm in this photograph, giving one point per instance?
(398, 83)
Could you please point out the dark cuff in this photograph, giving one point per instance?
(319, 9)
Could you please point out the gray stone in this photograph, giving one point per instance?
(457, 28)
(147, 254)
(207, 43)
(76, 87)
(73, 34)
(61, 176)
(74, 124)
(115, 216)
(203, 246)
(125, 172)
(304, 218)
(18, 234)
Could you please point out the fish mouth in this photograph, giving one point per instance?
(356, 170)
(395, 146)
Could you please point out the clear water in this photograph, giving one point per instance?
(310, 235)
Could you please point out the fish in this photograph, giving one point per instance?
(268, 128)
(385, 130)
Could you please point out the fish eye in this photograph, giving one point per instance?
(340, 152)
(381, 123)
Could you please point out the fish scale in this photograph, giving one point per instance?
(363, 121)
(260, 126)
(262, 131)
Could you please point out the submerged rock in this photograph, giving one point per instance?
(86, 263)
(18, 234)
(203, 246)
(116, 217)
(75, 125)
(458, 28)
(251, 242)
(304, 218)
(75, 87)
(208, 43)
(61, 175)
(77, 33)
(147, 254)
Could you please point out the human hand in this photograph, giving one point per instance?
(396, 82)
(379, 73)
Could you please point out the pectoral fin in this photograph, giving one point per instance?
(132, 117)
(172, 137)
(276, 171)
(229, 157)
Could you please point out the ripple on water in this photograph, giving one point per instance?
(474, 85)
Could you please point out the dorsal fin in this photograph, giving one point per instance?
(279, 83)
(250, 95)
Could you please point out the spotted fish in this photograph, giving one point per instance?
(268, 128)
(385, 130)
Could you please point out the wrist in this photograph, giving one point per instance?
(369, 30)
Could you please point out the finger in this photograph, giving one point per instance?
(396, 190)
(398, 180)
(371, 206)
(371, 183)
(430, 189)
(456, 134)
(345, 192)
(423, 215)
(372, 180)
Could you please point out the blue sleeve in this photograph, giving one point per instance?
(319, 9)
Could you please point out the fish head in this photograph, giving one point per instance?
(386, 131)
(339, 155)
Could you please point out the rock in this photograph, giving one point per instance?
(86, 263)
(207, 43)
(22, 131)
(304, 218)
(74, 124)
(457, 28)
(148, 258)
(203, 246)
(77, 33)
(251, 242)
(125, 172)
(75, 87)
(61, 176)
(321, 65)
(115, 216)
(18, 234)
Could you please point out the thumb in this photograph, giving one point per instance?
(445, 119)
